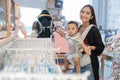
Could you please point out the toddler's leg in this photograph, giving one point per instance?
(77, 64)
(66, 64)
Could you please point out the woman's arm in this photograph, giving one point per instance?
(98, 46)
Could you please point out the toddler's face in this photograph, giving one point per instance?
(72, 29)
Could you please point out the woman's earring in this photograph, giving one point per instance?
(92, 17)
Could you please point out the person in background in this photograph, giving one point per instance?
(93, 39)
(76, 46)
(34, 33)
(44, 25)
(19, 26)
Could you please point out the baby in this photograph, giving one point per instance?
(75, 44)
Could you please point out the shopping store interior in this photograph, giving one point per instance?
(17, 45)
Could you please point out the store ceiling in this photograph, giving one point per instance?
(32, 3)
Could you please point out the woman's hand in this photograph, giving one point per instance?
(92, 47)
(88, 50)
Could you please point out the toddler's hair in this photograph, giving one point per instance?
(73, 22)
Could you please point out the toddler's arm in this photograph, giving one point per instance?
(61, 33)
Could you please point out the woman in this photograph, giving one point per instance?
(93, 38)
(76, 45)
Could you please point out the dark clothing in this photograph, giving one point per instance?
(46, 33)
(45, 22)
(93, 38)
(44, 25)
(44, 28)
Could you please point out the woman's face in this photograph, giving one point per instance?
(85, 14)
(72, 29)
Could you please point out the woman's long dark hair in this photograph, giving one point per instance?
(93, 20)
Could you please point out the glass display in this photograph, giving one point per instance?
(34, 59)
